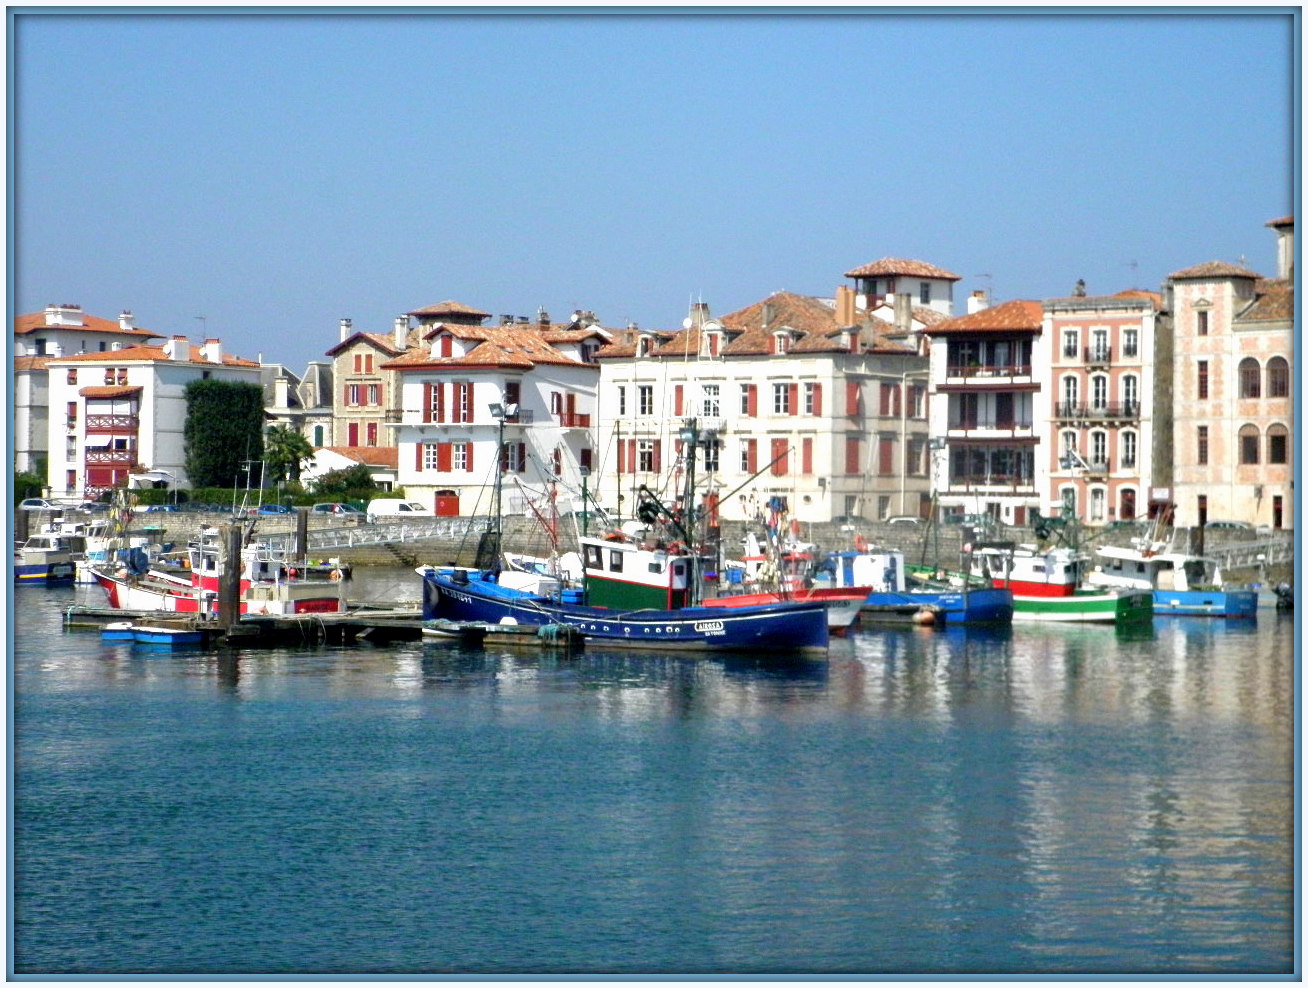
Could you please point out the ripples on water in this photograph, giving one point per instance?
(1040, 800)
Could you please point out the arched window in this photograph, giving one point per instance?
(1278, 444)
(1278, 378)
(318, 434)
(1098, 504)
(1099, 448)
(1130, 394)
(1251, 378)
(1071, 393)
(1249, 444)
(1126, 504)
(1099, 392)
(1128, 450)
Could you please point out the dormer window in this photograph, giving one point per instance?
(713, 343)
(446, 345)
(644, 346)
(781, 342)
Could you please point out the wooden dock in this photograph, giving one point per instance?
(377, 625)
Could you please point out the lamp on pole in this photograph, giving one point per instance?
(501, 413)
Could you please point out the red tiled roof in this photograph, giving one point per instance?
(1018, 314)
(135, 354)
(1274, 303)
(109, 391)
(373, 456)
(1214, 270)
(33, 321)
(382, 341)
(448, 307)
(30, 363)
(521, 345)
(889, 267)
(1283, 221)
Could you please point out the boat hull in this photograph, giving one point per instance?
(843, 606)
(43, 574)
(792, 626)
(1127, 607)
(177, 598)
(983, 605)
(1206, 603)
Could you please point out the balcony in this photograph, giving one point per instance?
(117, 457)
(989, 483)
(987, 371)
(1098, 356)
(1097, 412)
(572, 420)
(112, 423)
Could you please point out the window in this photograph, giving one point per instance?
(72, 413)
(885, 456)
(853, 454)
(1251, 378)
(459, 458)
(374, 394)
(1099, 392)
(1249, 442)
(782, 343)
(352, 434)
(1071, 342)
(1099, 345)
(1201, 322)
(1202, 384)
(462, 402)
(72, 375)
(812, 398)
(714, 344)
(372, 433)
(748, 455)
(712, 448)
(645, 455)
(429, 456)
(1278, 378)
(1099, 448)
(710, 400)
(622, 400)
(319, 434)
(1071, 394)
(1130, 342)
(924, 293)
(917, 457)
(1278, 444)
(353, 393)
(1128, 450)
(1201, 446)
(780, 457)
(645, 399)
(1098, 501)
(1130, 394)
(70, 448)
(781, 399)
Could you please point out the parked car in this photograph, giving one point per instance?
(394, 507)
(37, 504)
(906, 520)
(93, 506)
(275, 509)
(335, 508)
(161, 507)
(1230, 526)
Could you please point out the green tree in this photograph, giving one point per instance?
(285, 451)
(223, 429)
(352, 483)
(27, 485)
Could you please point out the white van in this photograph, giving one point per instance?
(394, 507)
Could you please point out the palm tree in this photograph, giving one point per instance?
(285, 451)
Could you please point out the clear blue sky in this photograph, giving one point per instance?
(277, 173)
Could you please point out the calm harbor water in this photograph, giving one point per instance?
(1040, 800)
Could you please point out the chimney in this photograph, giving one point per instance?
(281, 392)
(769, 311)
(401, 332)
(67, 314)
(175, 349)
(212, 351)
(116, 345)
(903, 312)
(844, 305)
(126, 320)
(977, 301)
(699, 314)
(347, 329)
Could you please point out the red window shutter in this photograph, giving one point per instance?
(352, 434)
(884, 391)
(522, 457)
(504, 458)
(440, 402)
(751, 455)
(471, 446)
(443, 457)
(817, 399)
(418, 465)
(778, 457)
(447, 346)
(885, 456)
(851, 398)
(794, 398)
(851, 455)
(632, 464)
(426, 402)
(753, 400)
(468, 415)
(677, 395)
(658, 455)
(622, 457)
(806, 456)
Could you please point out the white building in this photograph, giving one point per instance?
(797, 399)
(122, 411)
(465, 386)
(39, 337)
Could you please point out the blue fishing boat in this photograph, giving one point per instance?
(1183, 585)
(894, 599)
(642, 586)
(156, 637)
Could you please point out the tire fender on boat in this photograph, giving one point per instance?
(336, 576)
